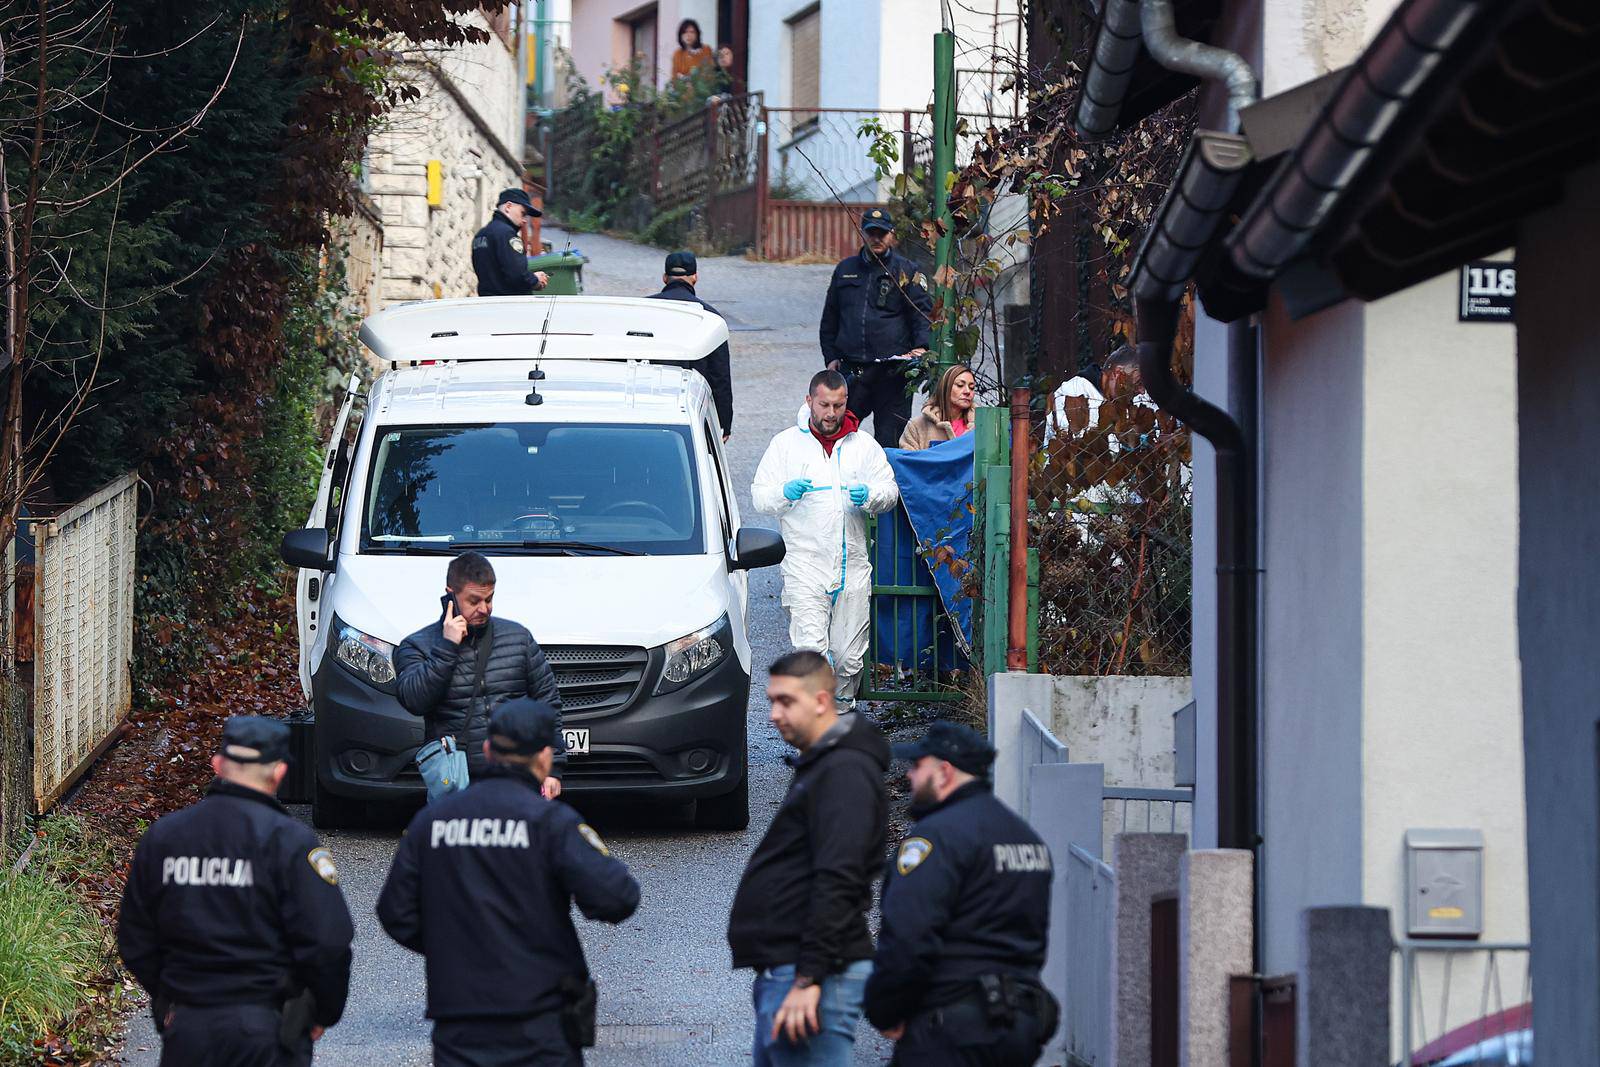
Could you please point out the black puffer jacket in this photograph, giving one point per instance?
(435, 679)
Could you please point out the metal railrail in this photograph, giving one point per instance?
(1086, 1007)
(1491, 990)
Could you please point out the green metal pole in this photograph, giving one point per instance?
(944, 165)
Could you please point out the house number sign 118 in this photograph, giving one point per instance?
(1488, 291)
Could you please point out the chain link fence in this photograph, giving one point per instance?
(1112, 522)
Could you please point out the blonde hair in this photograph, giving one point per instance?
(947, 385)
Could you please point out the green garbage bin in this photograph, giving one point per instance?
(565, 269)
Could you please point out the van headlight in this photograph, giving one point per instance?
(689, 657)
(368, 656)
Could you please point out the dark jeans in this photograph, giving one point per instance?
(499, 1042)
(228, 1035)
(879, 389)
(961, 1036)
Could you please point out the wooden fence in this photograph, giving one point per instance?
(795, 228)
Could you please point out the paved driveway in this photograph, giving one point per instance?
(667, 995)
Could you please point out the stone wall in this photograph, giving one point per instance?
(469, 118)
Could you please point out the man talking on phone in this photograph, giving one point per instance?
(454, 672)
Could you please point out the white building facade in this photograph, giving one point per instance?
(435, 167)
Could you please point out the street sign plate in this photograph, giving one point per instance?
(1488, 291)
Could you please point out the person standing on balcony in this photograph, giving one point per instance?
(498, 258)
(875, 325)
(682, 274)
(823, 477)
(692, 51)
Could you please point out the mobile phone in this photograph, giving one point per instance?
(449, 600)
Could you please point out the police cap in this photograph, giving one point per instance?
(960, 746)
(522, 726)
(518, 196)
(681, 264)
(255, 739)
(875, 218)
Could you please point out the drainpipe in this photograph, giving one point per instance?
(1017, 602)
(1189, 219)
(1197, 58)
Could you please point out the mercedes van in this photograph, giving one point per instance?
(548, 434)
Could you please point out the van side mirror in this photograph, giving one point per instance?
(756, 547)
(307, 548)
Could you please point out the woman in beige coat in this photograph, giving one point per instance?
(947, 414)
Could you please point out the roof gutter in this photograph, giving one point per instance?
(1281, 222)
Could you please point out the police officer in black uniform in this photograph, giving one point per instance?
(498, 257)
(966, 906)
(232, 918)
(482, 885)
(874, 323)
(681, 275)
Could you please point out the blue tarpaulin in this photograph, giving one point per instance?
(935, 512)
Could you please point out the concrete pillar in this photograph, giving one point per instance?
(1009, 695)
(1144, 865)
(1342, 988)
(1215, 938)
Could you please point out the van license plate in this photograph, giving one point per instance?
(576, 740)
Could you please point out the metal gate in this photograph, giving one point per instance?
(912, 651)
(83, 612)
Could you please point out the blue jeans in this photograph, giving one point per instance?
(838, 1013)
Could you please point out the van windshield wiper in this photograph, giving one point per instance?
(571, 548)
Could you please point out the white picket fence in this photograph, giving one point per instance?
(83, 634)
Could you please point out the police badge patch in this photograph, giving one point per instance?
(586, 832)
(913, 850)
(321, 861)
(516, 245)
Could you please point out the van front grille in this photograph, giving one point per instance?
(594, 679)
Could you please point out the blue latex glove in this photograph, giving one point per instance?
(796, 488)
(858, 495)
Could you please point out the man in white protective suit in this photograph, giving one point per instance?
(823, 478)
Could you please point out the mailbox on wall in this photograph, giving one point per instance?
(1444, 883)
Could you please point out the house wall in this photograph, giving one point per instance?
(1441, 700)
(1558, 389)
(1312, 414)
(601, 41)
(470, 118)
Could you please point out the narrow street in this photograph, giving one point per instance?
(667, 995)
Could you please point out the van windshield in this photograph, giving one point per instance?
(511, 486)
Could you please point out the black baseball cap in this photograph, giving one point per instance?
(681, 264)
(255, 739)
(522, 726)
(518, 196)
(960, 746)
(875, 218)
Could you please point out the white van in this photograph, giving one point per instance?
(538, 431)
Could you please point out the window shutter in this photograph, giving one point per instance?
(805, 63)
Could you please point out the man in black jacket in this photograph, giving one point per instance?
(483, 884)
(436, 671)
(232, 918)
(966, 910)
(799, 917)
(682, 275)
(874, 323)
(498, 257)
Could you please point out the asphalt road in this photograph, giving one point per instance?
(667, 995)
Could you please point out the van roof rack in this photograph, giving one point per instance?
(564, 327)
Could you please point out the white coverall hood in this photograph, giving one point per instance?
(827, 575)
